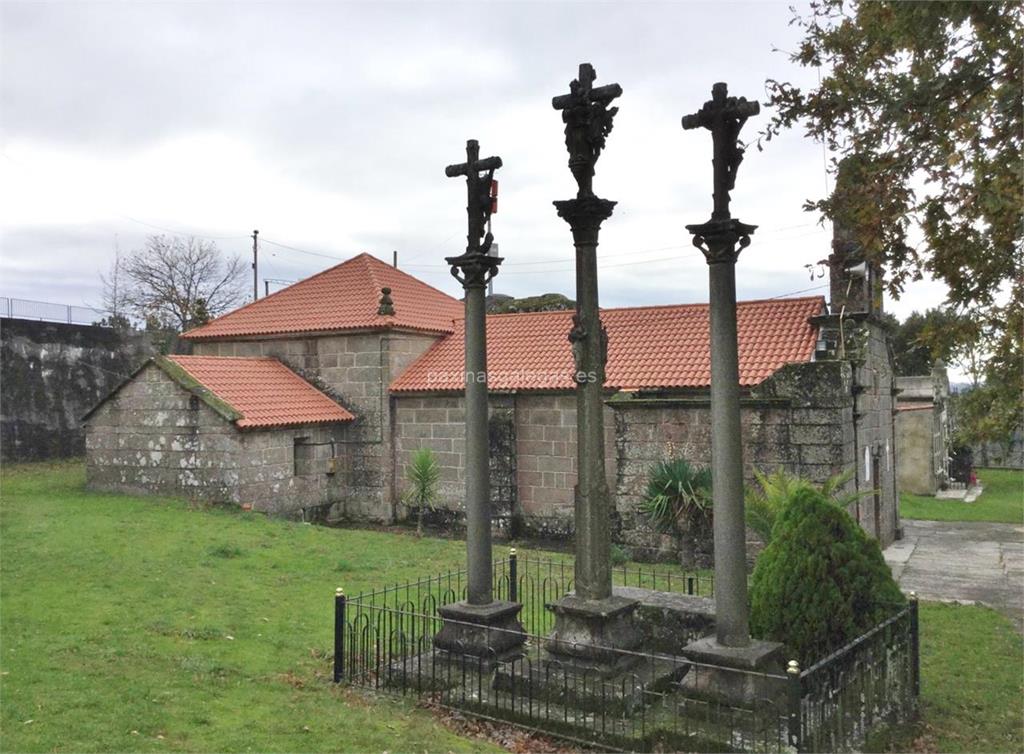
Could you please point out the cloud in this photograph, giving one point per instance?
(328, 126)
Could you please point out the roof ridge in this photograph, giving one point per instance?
(409, 275)
(243, 307)
(176, 356)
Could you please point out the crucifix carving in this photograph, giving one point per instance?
(478, 195)
(588, 121)
(723, 116)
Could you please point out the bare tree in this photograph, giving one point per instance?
(114, 301)
(180, 283)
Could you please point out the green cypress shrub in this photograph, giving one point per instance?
(821, 581)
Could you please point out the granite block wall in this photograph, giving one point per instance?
(154, 436)
(355, 369)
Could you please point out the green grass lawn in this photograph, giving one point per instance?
(971, 684)
(143, 625)
(1002, 501)
(131, 624)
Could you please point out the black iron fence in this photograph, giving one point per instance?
(384, 640)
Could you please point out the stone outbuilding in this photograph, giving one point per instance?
(817, 399)
(241, 430)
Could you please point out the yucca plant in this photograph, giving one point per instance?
(775, 491)
(677, 490)
(423, 475)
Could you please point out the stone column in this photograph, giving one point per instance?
(590, 347)
(731, 611)
(721, 239)
(478, 497)
(480, 626)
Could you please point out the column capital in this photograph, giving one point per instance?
(585, 216)
(717, 239)
(474, 269)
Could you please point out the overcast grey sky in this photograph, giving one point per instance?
(328, 126)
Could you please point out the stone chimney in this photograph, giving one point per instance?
(855, 282)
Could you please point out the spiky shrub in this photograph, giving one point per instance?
(821, 582)
(423, 475)
(766, 501)
(678, 493)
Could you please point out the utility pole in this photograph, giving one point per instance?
(255, 269)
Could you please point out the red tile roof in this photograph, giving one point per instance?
(648, 347)
(263, 390)
(345, 297)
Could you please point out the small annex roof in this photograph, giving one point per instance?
(343, 298)
(657, 347)
(261, 390)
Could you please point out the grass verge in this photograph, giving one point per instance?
(148, 625)
(1001, 502)
(971, 684)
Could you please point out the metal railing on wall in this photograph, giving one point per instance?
(48, 311)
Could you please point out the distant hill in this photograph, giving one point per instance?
(547, 302)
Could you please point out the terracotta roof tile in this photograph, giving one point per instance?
(648, 347)
(263, 390)
(344, 297)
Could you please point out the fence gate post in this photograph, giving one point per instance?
(915, 647)
(793, 696)
(513, 576)
(339, 634)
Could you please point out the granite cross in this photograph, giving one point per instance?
(473, 269)
(588, 121)
(478, 189)
(724, 116)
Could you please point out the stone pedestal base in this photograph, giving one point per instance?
(593, 633)
(736, 675)
(490, 631)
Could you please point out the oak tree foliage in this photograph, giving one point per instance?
(924, 100)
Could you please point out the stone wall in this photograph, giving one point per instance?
(355, 369)
(51, 374)
(295, 471)
(155, 436)
(813, 420)
(438, 422)
(546, 462)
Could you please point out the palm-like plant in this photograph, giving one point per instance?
(423, 474)
(677, 490)
(778, 489)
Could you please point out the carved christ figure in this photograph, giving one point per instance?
(588, 121)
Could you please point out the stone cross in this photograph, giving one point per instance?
(724, 116)
(478, 190)
(588, 121)
(474, 269)
(591, 621)
(480, 626)
(721, 240)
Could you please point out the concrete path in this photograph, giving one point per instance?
(963, 562)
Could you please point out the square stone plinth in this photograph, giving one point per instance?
(491, 631)
(564, 683)
(598, 634)
(741, 676)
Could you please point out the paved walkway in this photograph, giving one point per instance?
(963, 562)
